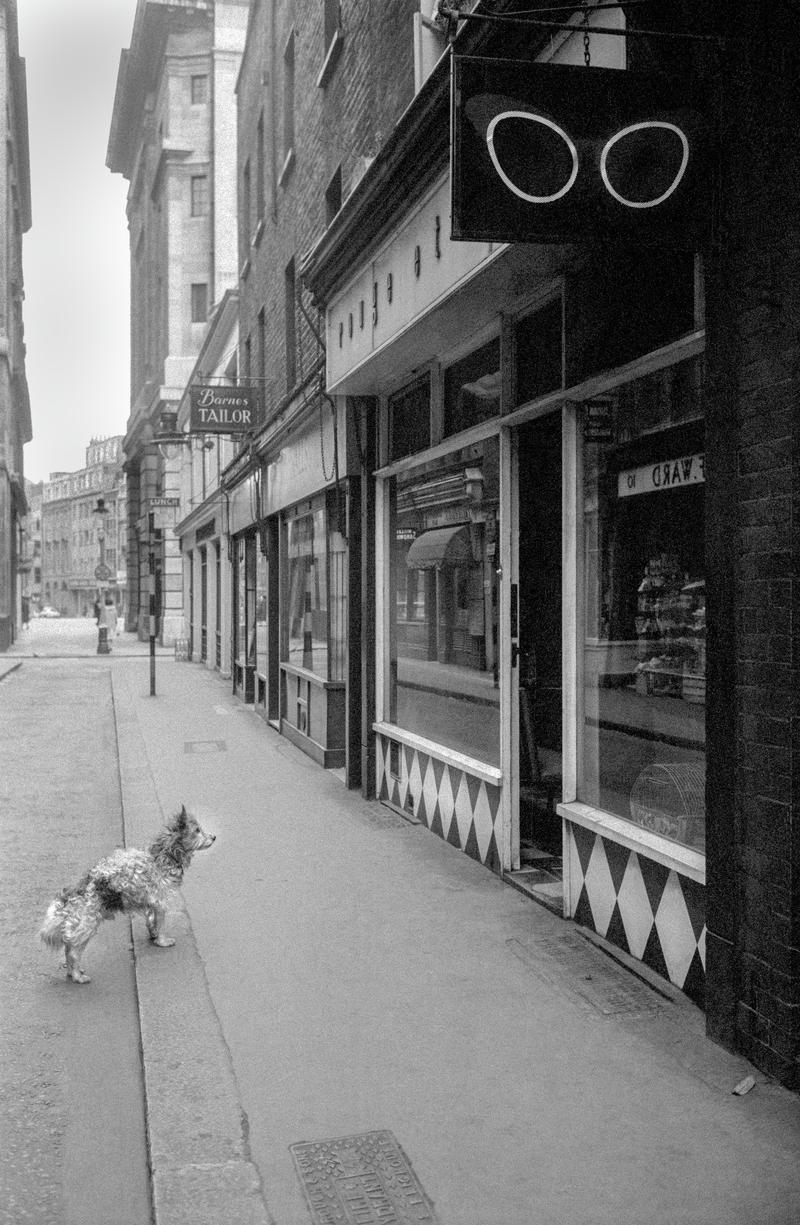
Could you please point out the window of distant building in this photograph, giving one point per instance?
(288, 106)
(291, 328)
(199, 192)
(260, 190)
(199, 89)
(199, 302)
(333, 196)
(246, 205)
(332, 34)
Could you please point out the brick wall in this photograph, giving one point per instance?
(342, 123)
(754, 596)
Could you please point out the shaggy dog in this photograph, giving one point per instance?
(127, 880)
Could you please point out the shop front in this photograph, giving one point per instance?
(540, 609)
(293, 556)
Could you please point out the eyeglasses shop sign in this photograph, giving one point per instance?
(223, 410)
(667, 474)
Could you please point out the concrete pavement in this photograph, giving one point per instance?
(340, 970)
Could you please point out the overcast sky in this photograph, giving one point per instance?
(75, 256)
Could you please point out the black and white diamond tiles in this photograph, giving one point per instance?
(460, 808)
(645, 908)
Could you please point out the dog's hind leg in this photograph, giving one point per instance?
(155, 927)
(78, 931)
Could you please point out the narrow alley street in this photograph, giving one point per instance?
(339, 972)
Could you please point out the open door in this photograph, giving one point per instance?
(539, 661)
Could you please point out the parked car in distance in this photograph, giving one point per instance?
(47, 611)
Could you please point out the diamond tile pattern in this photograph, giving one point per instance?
(645, 908)
(461, 809)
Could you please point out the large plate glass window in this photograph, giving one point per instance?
(642, 738)
(444, 556)
(315, 587)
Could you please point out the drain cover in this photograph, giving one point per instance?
(360, 1180)
(204, 746)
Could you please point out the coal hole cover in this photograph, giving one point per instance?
(360, 1180)
(204, 746)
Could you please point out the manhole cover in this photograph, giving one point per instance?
(204, 746)
(360, 1180)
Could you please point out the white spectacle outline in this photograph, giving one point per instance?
(548, 123)
(636, 127)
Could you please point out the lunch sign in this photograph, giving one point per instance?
(223, 410)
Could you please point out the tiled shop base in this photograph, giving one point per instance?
(458, 807)
(647, 909)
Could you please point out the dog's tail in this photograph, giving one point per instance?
(52, 931)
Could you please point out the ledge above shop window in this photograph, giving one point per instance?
(257, 233)
(288, 166)
(682, 859)
(331, 59)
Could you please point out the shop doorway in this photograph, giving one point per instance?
(540, 677)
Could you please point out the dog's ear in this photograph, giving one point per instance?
(182, 817)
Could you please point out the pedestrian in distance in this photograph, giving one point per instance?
(108, 617)
(97, 610)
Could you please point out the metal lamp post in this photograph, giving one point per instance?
(102, 572)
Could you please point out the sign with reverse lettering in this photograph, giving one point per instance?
(223, 410)
(666, 474)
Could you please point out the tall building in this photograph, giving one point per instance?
(15, 414)
(173, 137)
(84, 532)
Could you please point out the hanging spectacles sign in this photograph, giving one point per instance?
(557, 153)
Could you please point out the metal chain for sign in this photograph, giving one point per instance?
(587, 54)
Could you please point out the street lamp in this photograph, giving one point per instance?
(102, 572)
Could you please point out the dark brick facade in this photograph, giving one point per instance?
(753, 456)
(340, 123)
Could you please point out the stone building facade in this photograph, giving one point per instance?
(15, 413)
(84, 532)
(173, 138)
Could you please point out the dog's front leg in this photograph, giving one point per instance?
(74, 953)
(155, 926)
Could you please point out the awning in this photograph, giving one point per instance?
(441, 546)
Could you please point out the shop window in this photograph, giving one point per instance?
(622, 305)
(246, 601)
(410, 419)
(262, 579)
(539, 352)
(644, 676)
(472, 389)
(443, 667)
(314, 590)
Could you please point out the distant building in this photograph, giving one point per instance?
(15, 415)
(83, 532)
(173, 136)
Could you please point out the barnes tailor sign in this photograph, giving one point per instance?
(553, 153)
(223, 410)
